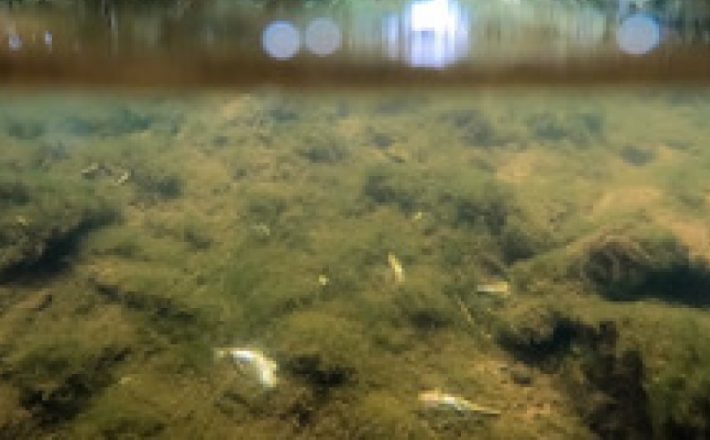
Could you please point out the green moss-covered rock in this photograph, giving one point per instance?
(607, 382)
(56, 379)
(578, 128)
(634, 264)
(324, 351)
(396, 186)
(380, 415)
(43, 218)
(155, 183)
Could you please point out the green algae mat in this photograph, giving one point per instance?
(489, 265)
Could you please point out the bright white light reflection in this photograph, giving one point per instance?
(48, 39)
(323, 36)
(281, 40)
(432, 34)
(638, 34)
(14, 42)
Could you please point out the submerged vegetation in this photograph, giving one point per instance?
(40, 223)
(631, 265)
(545, 257)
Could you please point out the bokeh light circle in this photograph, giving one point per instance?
(323, 37)
(48, 39)
(281, 40)
(14, 42)
(638, 34)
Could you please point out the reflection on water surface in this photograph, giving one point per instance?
(351, 43)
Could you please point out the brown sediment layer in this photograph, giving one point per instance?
(690, 66)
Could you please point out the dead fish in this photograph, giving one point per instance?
(261, 230)
(260, 365)
(323, 280)
(435, 399)
(123, 178)
(396, 267)
(498, 288)
(22, 221)
(92, 170)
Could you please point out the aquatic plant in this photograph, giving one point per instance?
(196, 236)
(25, 130)
(380, 139)
(56, 376)
(688, 186)
(43, 218)
(636, 155)
(60, 392)
(608, 382)
(521, 239)
(117, 121)
(392, 185)
(13, 192)
(425, 311)
(578, 128)
(476, 129)
(638, 264)
(324, 351)
(323, 149)
(117, 241)
(482, 204)
(120, 416)
(680, 392)
(262, 225)
(636, 372)
(382, 415)
(155, 183)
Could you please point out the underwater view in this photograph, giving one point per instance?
(489, 264)
(423, 219)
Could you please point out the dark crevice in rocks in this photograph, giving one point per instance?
(609, 394)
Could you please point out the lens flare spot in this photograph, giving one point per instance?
(281, 40)
(638, 34)
(14, 42)
(429, 34)
(323, 37)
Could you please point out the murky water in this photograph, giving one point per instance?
(371, 263)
